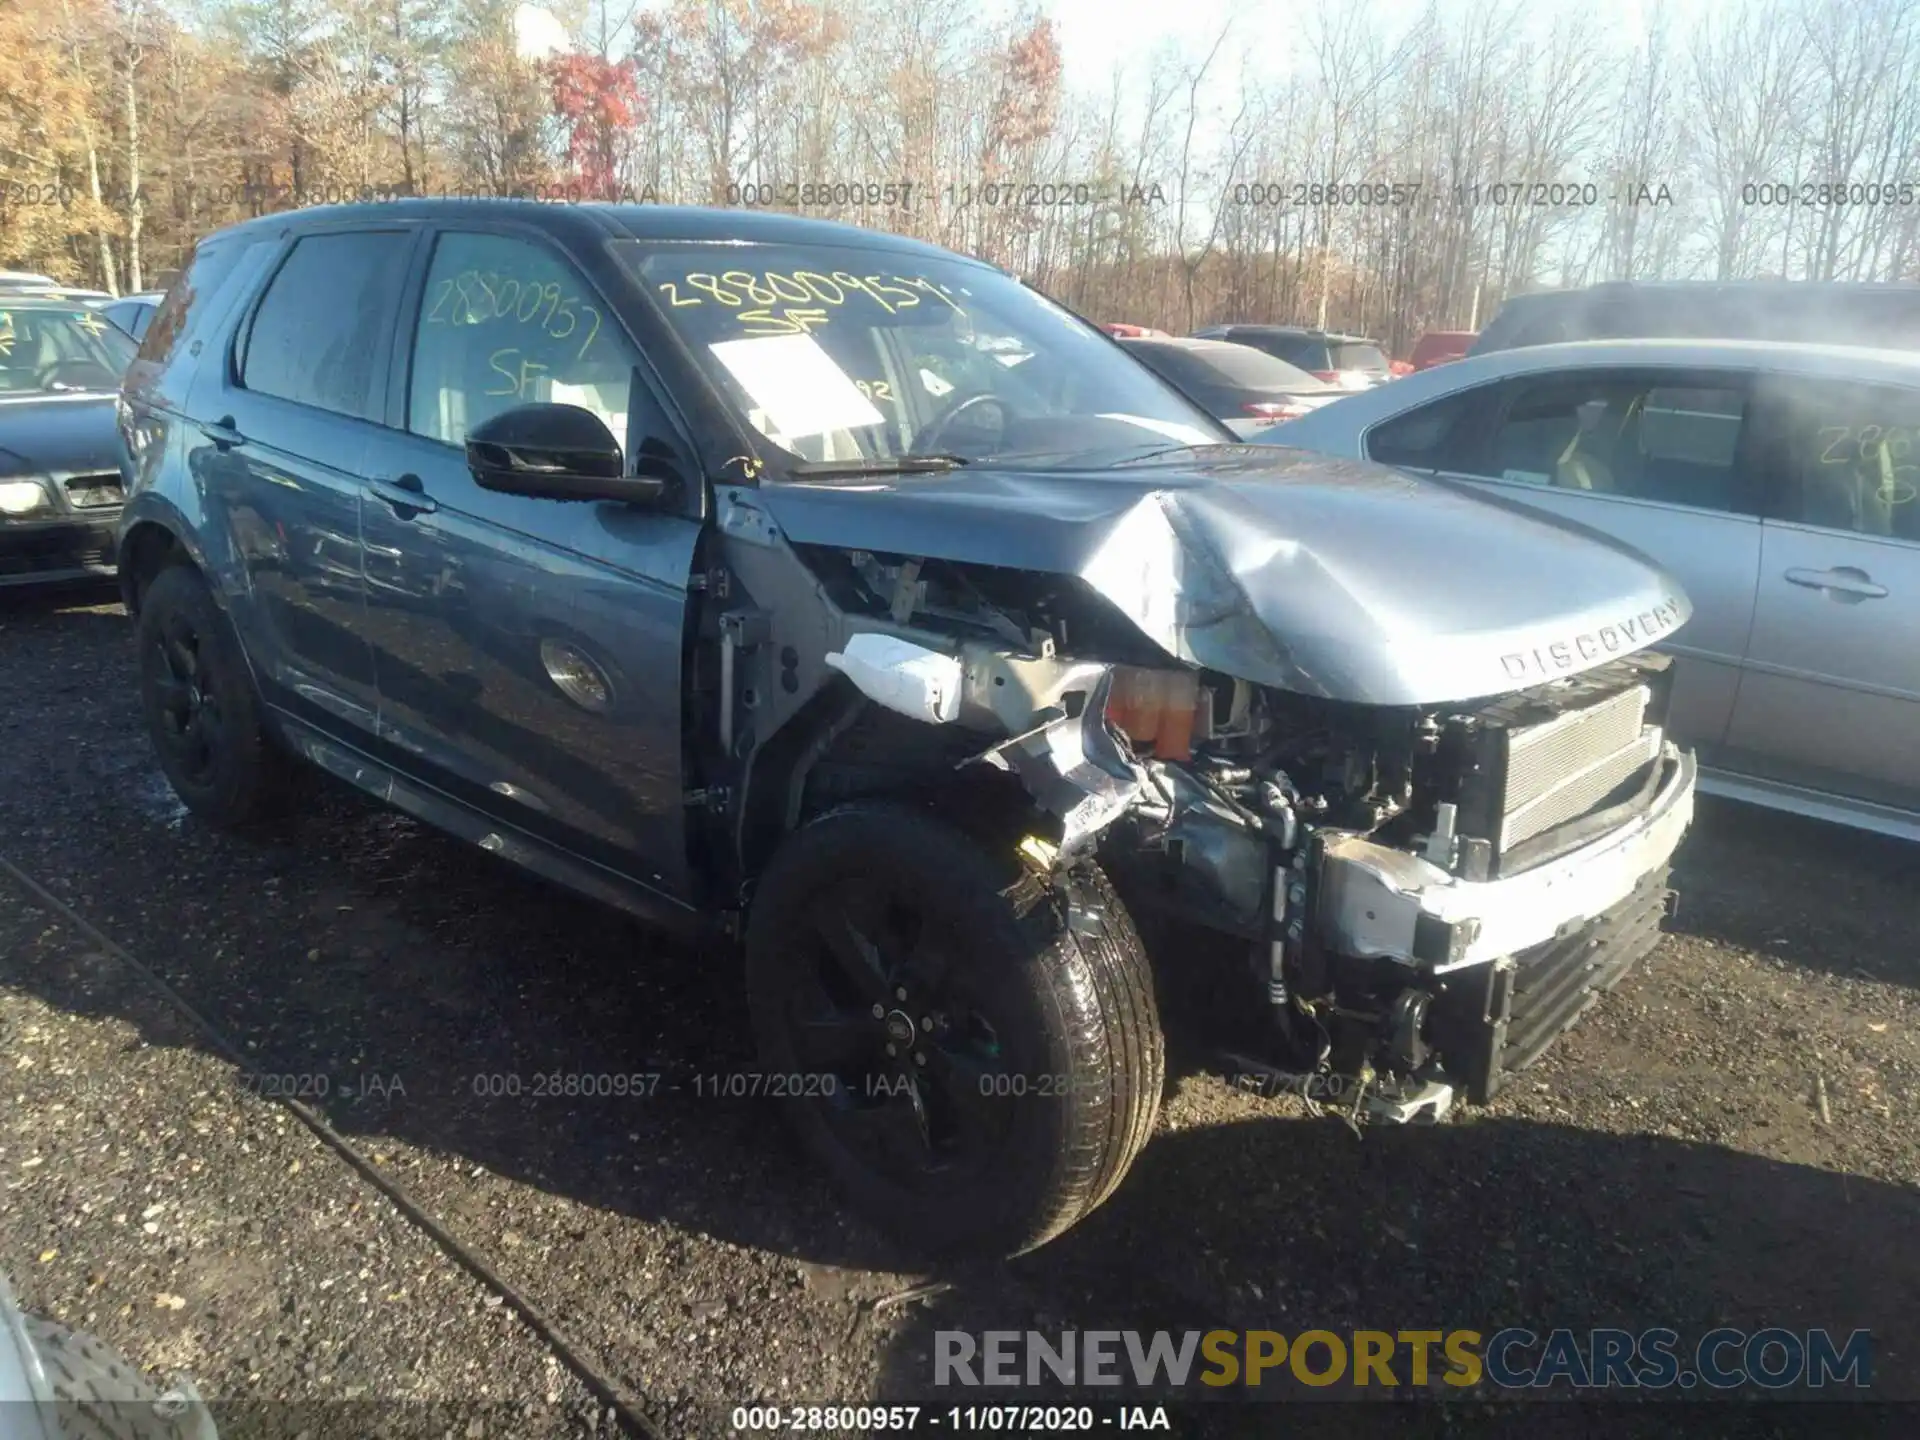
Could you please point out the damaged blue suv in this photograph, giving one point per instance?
(846, 597)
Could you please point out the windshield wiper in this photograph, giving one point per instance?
(898, 465)
(1167, 450)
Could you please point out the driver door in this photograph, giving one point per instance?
(527, 651)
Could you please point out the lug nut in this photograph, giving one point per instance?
(891, 1050)
(879, 1012)
(926, 1022)
(901, 993)
(919, 1057)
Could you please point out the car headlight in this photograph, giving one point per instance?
(23, 497)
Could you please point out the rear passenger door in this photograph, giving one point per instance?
(528, 650)
(284, 417)
(1831, 697)
(1659, 459)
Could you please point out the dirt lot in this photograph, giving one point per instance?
(1667, 1164)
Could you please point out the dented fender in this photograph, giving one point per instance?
(1060, 748)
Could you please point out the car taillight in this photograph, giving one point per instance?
(1275, 409)
(1155, 709)
(1332, 377)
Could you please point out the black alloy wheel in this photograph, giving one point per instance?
(190, 732)
(972, 1050)
(908, 1058)
(201, 709)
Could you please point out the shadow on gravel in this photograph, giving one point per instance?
(1829, 898)
(1293, 1225)
(417, 990)
(26, 601)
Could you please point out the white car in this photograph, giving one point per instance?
(1781, 485)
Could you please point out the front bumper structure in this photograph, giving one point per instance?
(1509, 964)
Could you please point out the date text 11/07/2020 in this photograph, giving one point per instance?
(913, 195)
(1409, 194)
(878, 196)
(990, 1419)
(733, 1085)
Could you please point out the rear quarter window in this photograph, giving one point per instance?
(1423, 439)
(208, 268)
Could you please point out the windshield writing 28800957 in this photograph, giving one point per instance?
(777, 303)
(482, 297)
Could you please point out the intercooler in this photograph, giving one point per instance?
(1542, 761)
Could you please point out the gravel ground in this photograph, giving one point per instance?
(1667, 1164)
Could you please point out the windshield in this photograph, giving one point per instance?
(843, 355)
(56, 350)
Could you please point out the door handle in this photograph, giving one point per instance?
(1846, 583)
(405, 494)
(222, 433)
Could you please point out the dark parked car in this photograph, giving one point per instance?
(1247, 390)
(60, 366)
(1350, 361)
(1807, 312)
(795, 583)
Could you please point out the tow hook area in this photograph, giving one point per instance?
(1369, 1098)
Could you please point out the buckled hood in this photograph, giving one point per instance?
(1327, 577)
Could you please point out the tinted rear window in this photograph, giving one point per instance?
(1177, 365)
(1238, 367)
(322, 327)
(1349, 356)
(1255, 369)
(1301, 350)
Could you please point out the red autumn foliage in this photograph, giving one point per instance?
(600, 104)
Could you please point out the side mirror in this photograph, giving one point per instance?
(559, 452)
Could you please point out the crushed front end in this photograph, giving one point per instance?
(1419, 898)
(1430, 895)
(1413, 898)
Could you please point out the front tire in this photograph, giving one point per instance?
(201, 709)
(972, 1052)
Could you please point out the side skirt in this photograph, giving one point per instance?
(460, 820)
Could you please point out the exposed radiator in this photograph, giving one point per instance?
(1533, 764)
(1563, 768)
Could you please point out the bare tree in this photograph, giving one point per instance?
(1746, 72)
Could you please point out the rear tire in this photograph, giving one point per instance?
(1027, 1060)
(202, 712)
